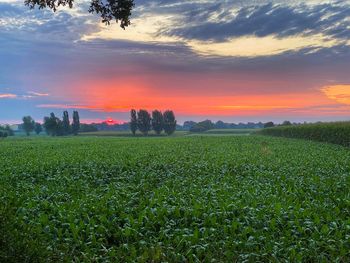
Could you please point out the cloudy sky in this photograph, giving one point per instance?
(235, 60)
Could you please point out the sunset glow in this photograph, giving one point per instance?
(237, 61)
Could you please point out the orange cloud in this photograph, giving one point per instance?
(339, 93)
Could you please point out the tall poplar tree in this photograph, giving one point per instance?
(157, 121)
(144, 121)
(66, 123)
(133, 121)
(169, 122)
(76, 123)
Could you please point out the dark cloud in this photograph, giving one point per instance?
(269, 19)
(45, 25)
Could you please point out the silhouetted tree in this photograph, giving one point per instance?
(8, 130)
(133, 121)
(157, 121)
(66, 123)
(144, 121)
(169, 122)
(220, 125)
(188, 125)
(87, 128)
(109, 10)
(203, 126)
(28, 124)
(76, 123)
(38, 128)
(286, 123)
(60, 128)
(269, 124)
(3, 134)
(51, 124)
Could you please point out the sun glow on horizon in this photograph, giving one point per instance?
(313, 103)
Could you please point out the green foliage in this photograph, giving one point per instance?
(334, 132)
(38, 128)
(202, 126)
(144, 121)
(169, 122)
(133, 121)
(157, 121)
(76, 123)
(117, 10)
(28, 124)
(182, 199)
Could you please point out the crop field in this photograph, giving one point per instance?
(231, 131)
(129, 134)
(174, 199)
(332, 132)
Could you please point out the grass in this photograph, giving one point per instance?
(333, 132)
(175, 199)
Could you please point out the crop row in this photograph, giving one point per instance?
(183, 199)
(336, 132)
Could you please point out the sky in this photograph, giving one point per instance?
(230, 60)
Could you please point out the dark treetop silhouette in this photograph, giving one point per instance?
(118, 10)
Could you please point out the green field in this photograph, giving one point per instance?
(231, 131)
(177, 133)
(174, 199)
(129, 134)
(330, 132)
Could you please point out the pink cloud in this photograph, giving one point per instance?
(8, 96)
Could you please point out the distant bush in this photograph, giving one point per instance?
(6, 131)
(333, 132)
(269, 124)
(286, 123)
(202, 126)
(87, 128)
(3, 134)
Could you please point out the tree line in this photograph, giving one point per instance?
(53, 125)
(6, 131)
(208, 125)
(144, 122)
